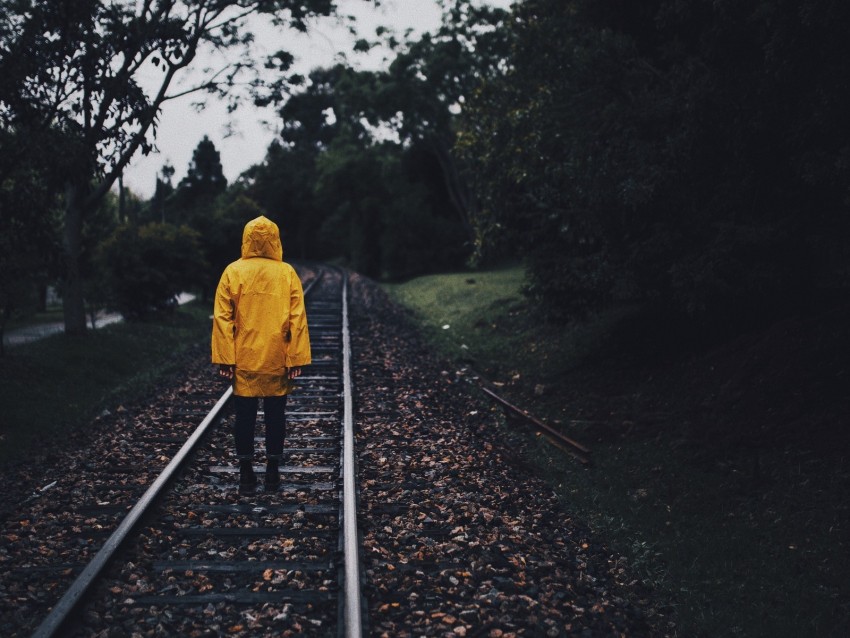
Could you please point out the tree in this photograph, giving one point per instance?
(683, 153)
(348, 137)
(99, 226)
(338, 191)
(285, 183)
(352, 201)
(145, 267)
(204, 182)
(421, 234)
(84, 68)
(283, 186)
(220, 232)
(163, 192)
(27, 250)
(539, 137)
(429, 82)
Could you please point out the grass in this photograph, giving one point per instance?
(483, 319)
(738, 540)
(59, 383)
(451, 306)
(51, 315)
(733, 557)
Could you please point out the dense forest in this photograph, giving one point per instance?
(683, 154)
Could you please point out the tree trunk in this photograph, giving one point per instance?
(4, 318)
(458, 190)
(73, 303)
(42, 297)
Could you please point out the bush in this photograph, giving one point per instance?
(143, 268)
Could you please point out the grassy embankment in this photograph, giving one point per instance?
(52, 385)
(741, 528)
(51, 315)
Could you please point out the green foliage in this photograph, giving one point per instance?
(193, 199)
(427, 83)
(364, 169)
(27, 250)
(145, 267)
(421, 233)
(353, 202)
(379, 213)
(158, 207)
(97, 74)
(220, 233)
(100, 224)
(203, 202)
(337, 193)
(283, 186)
(685, 153)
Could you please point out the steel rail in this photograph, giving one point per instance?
(313, 282)
(62, 610)
(60, 613)
(353, 620)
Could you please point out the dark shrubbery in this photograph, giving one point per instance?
(688, 153)
(145, 267)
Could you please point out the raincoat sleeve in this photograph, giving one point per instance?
(298, 346)
(224, 324)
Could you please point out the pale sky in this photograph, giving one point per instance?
(242, 137)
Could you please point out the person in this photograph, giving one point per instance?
(260, 342)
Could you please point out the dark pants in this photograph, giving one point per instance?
(246, 419)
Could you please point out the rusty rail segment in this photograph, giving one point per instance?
(579, 451)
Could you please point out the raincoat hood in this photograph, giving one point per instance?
(261, 238)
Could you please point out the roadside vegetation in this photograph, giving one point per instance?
(742, 529)
(52, 314)
(52, 387)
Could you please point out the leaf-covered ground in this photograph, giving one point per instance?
(459, 538)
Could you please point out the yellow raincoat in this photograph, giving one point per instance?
(259, 320)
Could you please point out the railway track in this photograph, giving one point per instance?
(457, 539)
(195, 557)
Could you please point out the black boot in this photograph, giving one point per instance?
(247, 479)
(272, 474)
